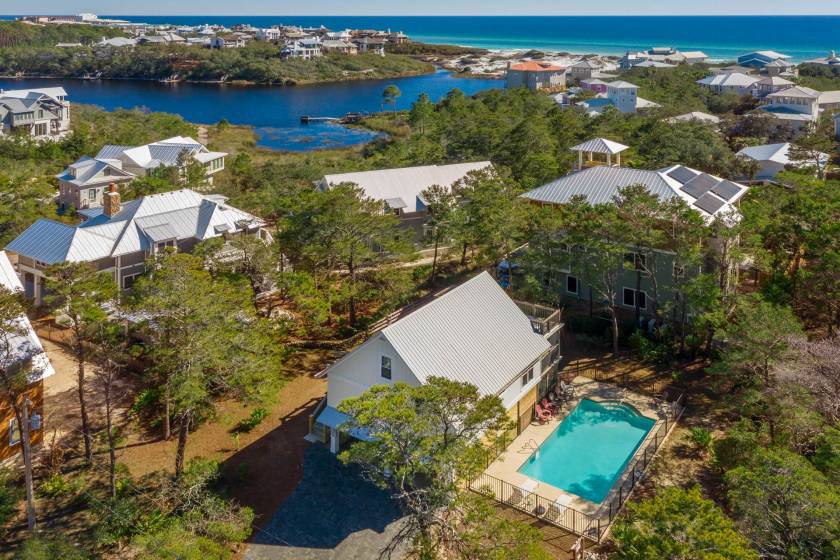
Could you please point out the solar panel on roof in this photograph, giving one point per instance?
(726, 190)
(709, 203)
(682, 174)
(700, 185)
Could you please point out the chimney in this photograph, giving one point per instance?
(111, 201)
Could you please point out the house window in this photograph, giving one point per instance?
(128, 281)
(631, 296)
(571, 284)
(679, 271)
(14, 432)
(527, 377)
(385, 369)
(91, 194)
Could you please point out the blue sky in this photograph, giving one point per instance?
(427, 7)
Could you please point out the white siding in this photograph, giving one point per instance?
(360, 369)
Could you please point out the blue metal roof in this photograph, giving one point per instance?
(333, 418)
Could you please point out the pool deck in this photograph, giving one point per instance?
(507, 465)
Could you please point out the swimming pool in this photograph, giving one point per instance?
(588, 451)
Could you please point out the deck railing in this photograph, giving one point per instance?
(591, 526)
(566, 518)
(543, 318)
(671, 413)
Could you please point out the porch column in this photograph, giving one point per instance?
(38, 282)
(333, 441)
(609, 160)
(580, 160)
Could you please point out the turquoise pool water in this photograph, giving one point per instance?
(589, 449)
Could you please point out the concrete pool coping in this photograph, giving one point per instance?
(506, 466)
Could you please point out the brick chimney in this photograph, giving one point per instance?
(111, 201)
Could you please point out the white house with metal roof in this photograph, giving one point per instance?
(773, 158)
(43, 113)
(473, 333)
(730, 82)
(20, 344)
(118, 237)
(177, 151)
(401, 189)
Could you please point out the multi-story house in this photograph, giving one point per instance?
(42, 113)
(84, 182)
(474, 333)
(178, 151)
(304, 49)
(760, 59)
(708, 195)
(119, 237)
(536, 75)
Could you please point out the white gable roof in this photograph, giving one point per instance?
(406, 183)
(185, 212)
(778, 153)
(24, 347)
(474, 333)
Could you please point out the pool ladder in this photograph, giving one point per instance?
(532, 445)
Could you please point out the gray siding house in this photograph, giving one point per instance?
(43, 114)
(710, 196)
(84, 182)
(118, 237)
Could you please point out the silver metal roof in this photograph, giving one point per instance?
(406, 183)
(475, 333)
(599, 185)
(27, 347)
(600, 146)
(186, 213)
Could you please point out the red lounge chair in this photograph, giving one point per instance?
(548, 406)
(542, 415)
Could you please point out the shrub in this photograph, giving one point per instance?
(701, 439)
(10, 495)
(55, 486)
(254, 420)
(122, 518)
(49, 548)
(146, 402)
(173, 542)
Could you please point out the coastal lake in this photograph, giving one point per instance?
(274, 112)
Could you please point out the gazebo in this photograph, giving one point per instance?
(598, 146)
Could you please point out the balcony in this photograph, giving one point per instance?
(543, 319)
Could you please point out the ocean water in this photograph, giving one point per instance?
(720, 37)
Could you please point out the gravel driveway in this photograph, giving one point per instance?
(332, 514)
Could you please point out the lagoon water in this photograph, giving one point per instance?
(274, 112)
(720, 37)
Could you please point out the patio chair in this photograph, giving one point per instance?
(541, 414)
(553, 409)
(523, 493)
(567, 389)
(558, 508)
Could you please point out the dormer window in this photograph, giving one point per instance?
(385, 367)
